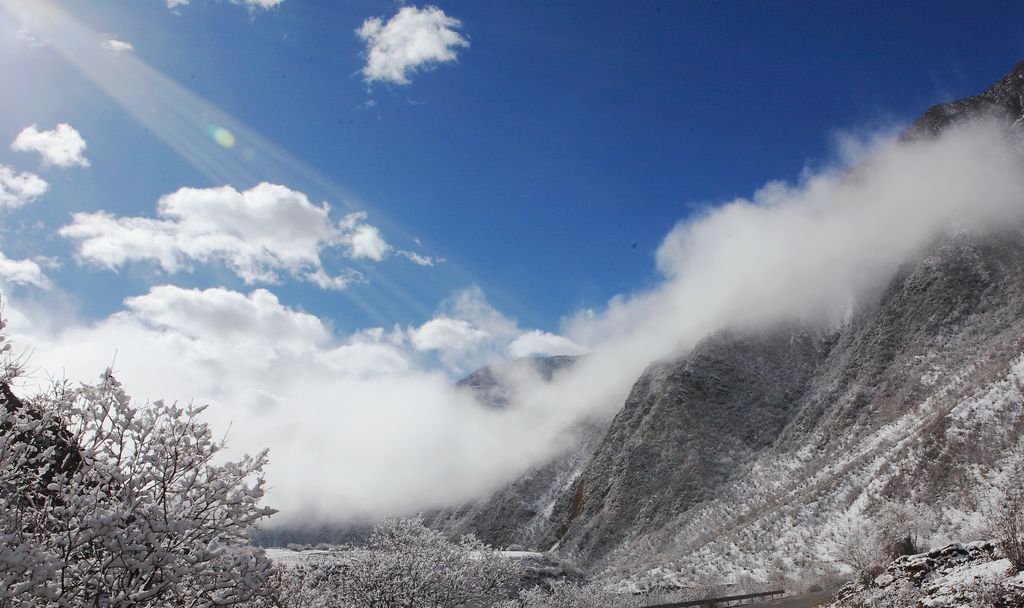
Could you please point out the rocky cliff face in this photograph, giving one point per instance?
(687, 427)
(761, 452)
(1003, 100)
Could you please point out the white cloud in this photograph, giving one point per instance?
(321, 279)
(117, 46)
(363, 240)
(468, 332)
(260, 234)
(19, 189)
(538, 342)
(251, 4)
(24, 272)
(447, 334)
(62, 146)
(227, 317)
(420, 260)
(411, 40)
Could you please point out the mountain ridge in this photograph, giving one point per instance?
(761, 453)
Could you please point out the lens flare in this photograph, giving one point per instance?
(222, 136)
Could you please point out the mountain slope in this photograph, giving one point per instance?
(519, 513)
(761, 454)
(919, 403)
(687, 427)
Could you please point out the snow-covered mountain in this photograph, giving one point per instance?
(519, 514)
(764, 453)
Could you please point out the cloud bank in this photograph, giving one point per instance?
(388, 428)
(61, 146)
(412, 40)
(369, 424)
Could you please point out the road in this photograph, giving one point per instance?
(807, 600)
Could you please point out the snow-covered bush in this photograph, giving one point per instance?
(1008, 525)
(104, 503)
(893, 530)
(900, 528)
(404, 564)
(564, 594)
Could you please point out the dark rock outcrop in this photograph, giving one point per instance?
(955, 575)
(1003, 100)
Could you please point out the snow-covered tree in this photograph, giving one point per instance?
(105, 503)
(893, 530)
(564, 594)
(1008, 526)
(404, 565)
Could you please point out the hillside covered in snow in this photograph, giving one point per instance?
(764, 453)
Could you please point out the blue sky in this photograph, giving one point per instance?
(251, 204)
(544, 165)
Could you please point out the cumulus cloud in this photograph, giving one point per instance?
(447, 334)
(22, 272)
(466, 332)
(227, 317)
(61, 146)
(251, 4)
(363, 240)
(411, 40)
(380, 407)
(19, 189)
(260, 234)
(542, 343)
(117, 46)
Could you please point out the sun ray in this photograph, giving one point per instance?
(220, 147)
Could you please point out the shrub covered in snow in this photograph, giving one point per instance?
(105, 503)
(403, 564)
(893, 530)
(565, 594)
(1008, 525)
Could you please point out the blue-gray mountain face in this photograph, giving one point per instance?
(487, 385)
(519, 515)
(765, 450)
